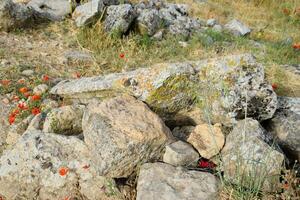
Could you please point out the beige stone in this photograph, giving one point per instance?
(207, 139)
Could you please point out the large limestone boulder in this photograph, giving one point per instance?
(66, 120)
(224, 88)
(165, 182)
(123, 133)
(48, 166)
(54, 10)
(14, 14)
(119, 18)
(285, 126)
(207, 139)
(250, 158)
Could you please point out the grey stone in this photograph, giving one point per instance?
(217, 28)
(237, 28)
(78, 56)
(249, 157)
(158, 35)
(28, 72)
(66, 120)
(165, 182)
(211, 22)
(119, 18)
(170, 12)
(54, 10)
(285, 126)
(16, 130)
(32, 170)
(184, 26)
(182, 133)
(88, 13)
(4, 125)
(289, 103)
(149, 21)
(49, 104)
(40, 89)
(123, 133)
(181, 154)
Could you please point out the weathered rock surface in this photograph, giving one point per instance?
(160, 14)
(207, 139)
(14, 14)
(170, 12)
(211, 22)
(170, 88)
(89, 12)
(123, 133)
(40, 89)
(165, 182)
(285, 126)
(66, 120)
(182, 133)
(119, 18)
(248, 158)
(15, 131)
(49, 166)
(237, 28)
(149, 21)
(54, 10)
(180, 154)
(184, 26)
(4, 125)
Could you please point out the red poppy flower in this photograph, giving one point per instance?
(63, 171)
(5, 82)
(22, 106)
(122, 55)
(45, 78)
(23, 90)
(296, 46)
(11, 119)
(35, 111)
(21, 81)
(35, 97)
(66, 198)
(274, 86)
(206, 164)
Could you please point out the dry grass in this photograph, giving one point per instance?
(270, 27)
